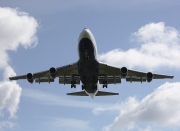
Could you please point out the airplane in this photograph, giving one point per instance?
(89, 71)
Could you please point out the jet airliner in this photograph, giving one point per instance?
(89, 71)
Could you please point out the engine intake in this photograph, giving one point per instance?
(53, 72)
(124, 72)
(29, 77)
(149, 76)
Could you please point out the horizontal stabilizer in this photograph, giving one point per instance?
(103, 93)
(80, 93)
(100, 93)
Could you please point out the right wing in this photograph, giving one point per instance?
(65, 73)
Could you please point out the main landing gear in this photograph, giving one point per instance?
(105, 85)
(73, 84)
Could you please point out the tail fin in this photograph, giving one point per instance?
(100, 93)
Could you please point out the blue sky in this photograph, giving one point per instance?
(138, 34)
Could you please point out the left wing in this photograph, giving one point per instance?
(65, 74)
(113, 75)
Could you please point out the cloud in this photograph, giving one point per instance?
(10, 93)
(56, 100)
(160, 109)
(16, 29)
(100, 109)
(159, 47)
(6, 124)
(68, 124)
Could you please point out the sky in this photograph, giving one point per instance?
(138, 34)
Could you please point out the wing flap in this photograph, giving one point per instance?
(110, 79)
(68, 79)
(44, 80)
(137, 79)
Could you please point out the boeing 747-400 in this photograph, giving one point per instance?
(89, 71)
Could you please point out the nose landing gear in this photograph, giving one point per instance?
(86, 55)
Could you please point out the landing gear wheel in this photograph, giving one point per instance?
(83, 87)
(86, 55)
(105, 85)
(73, 86)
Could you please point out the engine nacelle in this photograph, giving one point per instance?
(149, 76)
(30, 78)
(53, 72)
(124, 72)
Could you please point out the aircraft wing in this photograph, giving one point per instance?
(142, 74)
(64, 73)
(113, 75)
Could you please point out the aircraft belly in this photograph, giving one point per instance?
(88, 71)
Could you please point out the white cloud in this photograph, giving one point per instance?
(56, 100)
(10, 93)
(160, 47)
(16, 28)
(6, 124)
(99, 110)
(68, 124)
(160, 109)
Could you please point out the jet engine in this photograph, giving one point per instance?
(124, 72)
(53, 72)
(29, 77)
(149, 76)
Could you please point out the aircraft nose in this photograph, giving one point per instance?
(85, 34)
(85, 31)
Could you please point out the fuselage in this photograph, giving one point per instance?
(88, 66)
